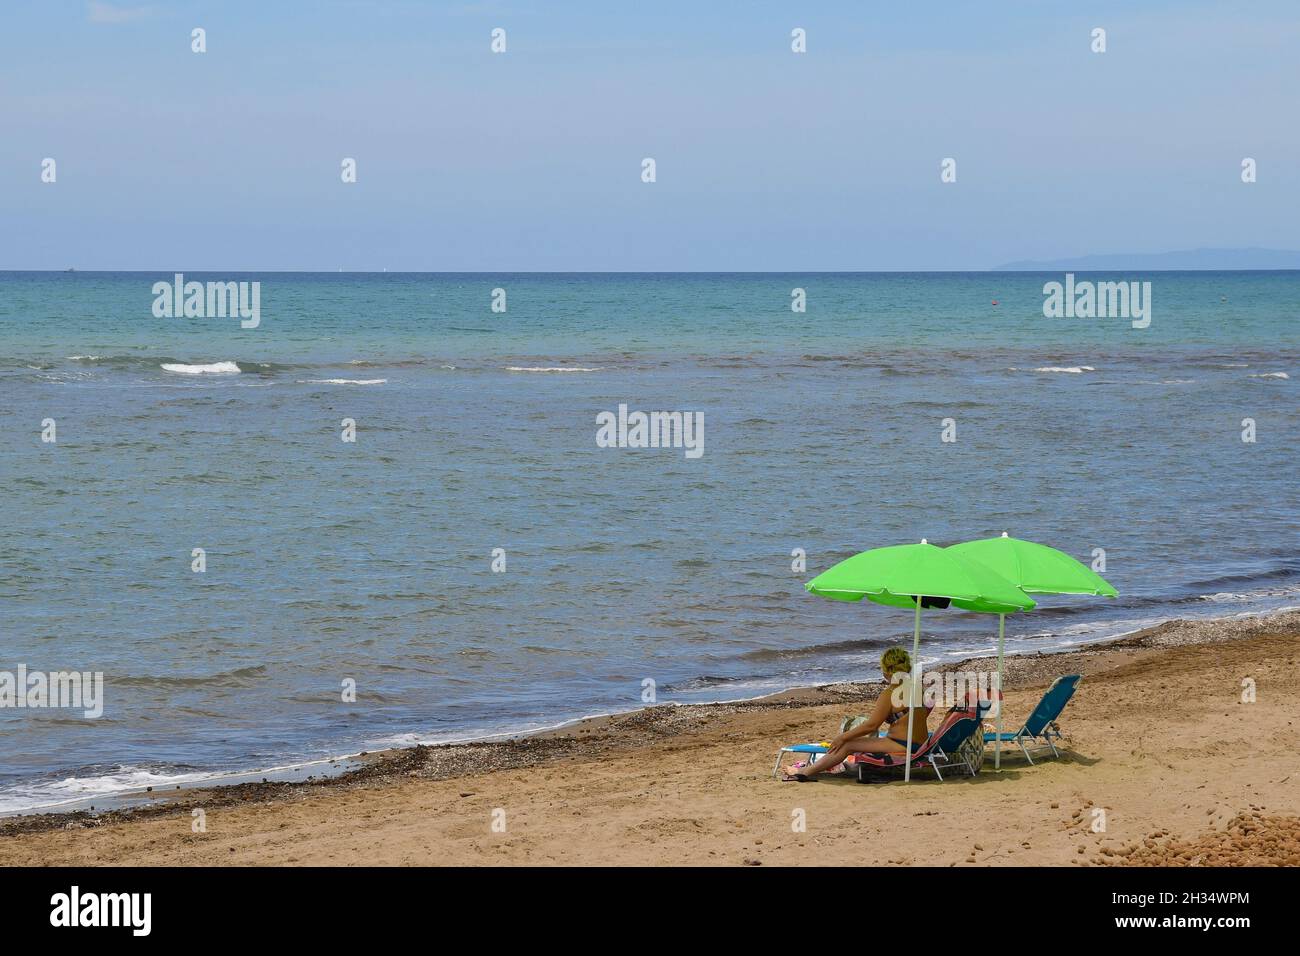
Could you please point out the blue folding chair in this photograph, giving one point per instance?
(1041, 725)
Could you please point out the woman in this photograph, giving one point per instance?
(891, 708)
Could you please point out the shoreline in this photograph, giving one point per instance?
(336, 765)
(615, 734)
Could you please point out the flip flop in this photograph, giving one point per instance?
(798, 778)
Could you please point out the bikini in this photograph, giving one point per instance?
(894, 718)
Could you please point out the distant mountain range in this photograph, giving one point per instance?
(1212, 259)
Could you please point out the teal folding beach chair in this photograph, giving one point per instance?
(1041, 725)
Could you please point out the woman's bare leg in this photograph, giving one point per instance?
(860, 745)
(832, 758)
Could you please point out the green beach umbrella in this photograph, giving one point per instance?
(905, 576)
(1035, 569)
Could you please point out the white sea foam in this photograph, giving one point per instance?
(216, 368)
(547, 368)
(342, 381)
(1218, 597)
(1271, 375)
(57, 793)
(1067, 369)
(124, 785)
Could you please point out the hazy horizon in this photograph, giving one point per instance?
(1005, 269)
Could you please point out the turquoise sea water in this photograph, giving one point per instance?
(372, 561)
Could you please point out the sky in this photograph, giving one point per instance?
(531, 159)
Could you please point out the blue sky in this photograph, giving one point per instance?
(530, 160)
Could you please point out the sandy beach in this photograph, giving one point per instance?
(1158, 737)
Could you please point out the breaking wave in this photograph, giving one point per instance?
(547, 368)
(215, 368)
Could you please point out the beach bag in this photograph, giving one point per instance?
(971, 750)
(848, 723)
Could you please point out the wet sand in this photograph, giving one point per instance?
(1158, 739)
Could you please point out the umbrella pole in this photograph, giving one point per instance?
(997, 746)
(911, 691)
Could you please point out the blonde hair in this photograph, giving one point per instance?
(895, 660)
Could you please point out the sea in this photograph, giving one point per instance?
(184, 514)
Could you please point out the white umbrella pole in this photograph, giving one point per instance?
(911, 691)
(997, 745)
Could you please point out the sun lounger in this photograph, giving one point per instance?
(946, 748)
(1041, 725)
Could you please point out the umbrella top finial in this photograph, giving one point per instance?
(1005, 535)
(923, 541)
